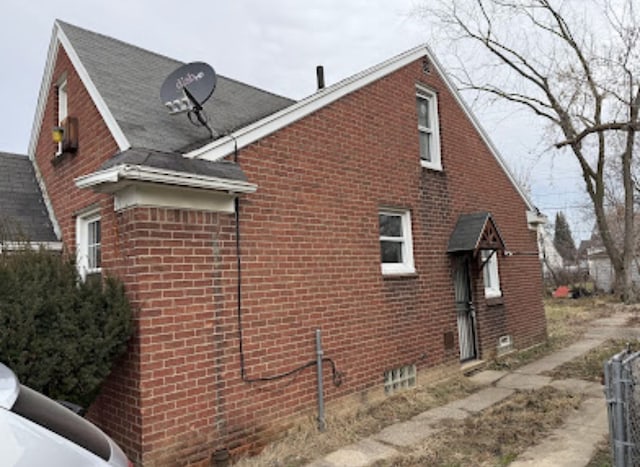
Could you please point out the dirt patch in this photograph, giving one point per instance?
(304, 443)
(496, 436)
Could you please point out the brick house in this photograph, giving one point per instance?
(376, 210)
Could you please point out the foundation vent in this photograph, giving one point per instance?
(505, 344)
(399, 378)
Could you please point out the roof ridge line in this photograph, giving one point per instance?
(120, 41)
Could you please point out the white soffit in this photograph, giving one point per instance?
(15, 246)
(153, 195)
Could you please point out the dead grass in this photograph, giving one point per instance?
(590, 366)
(304, 443)
(567, 321)
(602, 457)
(494, 437)
(497, 435)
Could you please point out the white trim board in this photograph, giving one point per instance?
(16, 246)
(58, 37)
(226, 145)
(173, 197)
(111, 179)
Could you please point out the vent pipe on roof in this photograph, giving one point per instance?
(320, 76)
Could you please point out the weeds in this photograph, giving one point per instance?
(495, 436)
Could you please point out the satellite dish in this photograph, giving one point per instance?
(188, 87)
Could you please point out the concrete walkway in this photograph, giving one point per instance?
(571, 445)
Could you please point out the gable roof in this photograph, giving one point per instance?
(22, 209)
(475, 231)
(124, 82)
(226, 145)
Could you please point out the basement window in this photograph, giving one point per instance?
(400, 378)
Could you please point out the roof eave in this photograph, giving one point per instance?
(109, 179)
(225, 146)
(47, 245)
(58, 38)
(242, 137)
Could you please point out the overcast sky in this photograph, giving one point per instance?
(275, 45)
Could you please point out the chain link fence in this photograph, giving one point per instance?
(622, 390)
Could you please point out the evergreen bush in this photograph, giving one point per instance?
(60, 335)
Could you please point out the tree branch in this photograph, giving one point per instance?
(626, 126)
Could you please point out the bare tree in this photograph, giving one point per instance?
(576, 66)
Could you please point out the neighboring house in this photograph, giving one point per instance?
(582, 258)
(23, 216)
(376, 210)
(599, 265)
(552, 262)
(601, 269)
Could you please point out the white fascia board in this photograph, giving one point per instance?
(483, 134)
(15, 246)
(45, 85)
(107, 116)
(58, 38)
(122, 173)
(224, 146)
(535, 219)
(37, 125)
(111, 175)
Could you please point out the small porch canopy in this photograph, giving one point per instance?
(475, 232)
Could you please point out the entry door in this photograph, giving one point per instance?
(465, 310)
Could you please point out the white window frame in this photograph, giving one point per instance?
(407, 264)
(490, 274)
(433, 130)
(82, 243)
(63, 108)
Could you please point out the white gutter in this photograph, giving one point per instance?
(15, 246)
(140, 173)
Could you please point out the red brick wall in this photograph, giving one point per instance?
(310, 260)
(176, 264)
(118, 410)
(311, 251)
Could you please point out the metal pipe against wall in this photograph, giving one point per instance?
(319, 355)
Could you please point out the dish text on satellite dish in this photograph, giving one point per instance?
(198, 78)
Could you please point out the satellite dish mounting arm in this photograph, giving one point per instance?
(198, 110)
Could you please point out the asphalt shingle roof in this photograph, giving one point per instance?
(177, 163)
(467, 232)
(129, 79)
(23, 214)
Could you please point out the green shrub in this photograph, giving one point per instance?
(60, 335)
